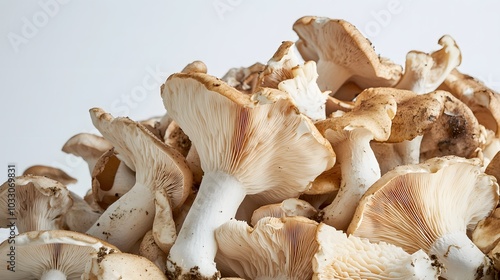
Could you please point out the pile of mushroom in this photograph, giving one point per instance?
(333, 163)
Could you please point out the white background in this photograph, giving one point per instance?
(60, 58)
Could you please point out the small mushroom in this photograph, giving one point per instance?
(343, 54)
(151, 251)
(87, 146)
(244, 79)
(39, 203)
(287, 208)
(430, 206)
(350, 136)
(81, 216)
(50, 255)
(157, 166)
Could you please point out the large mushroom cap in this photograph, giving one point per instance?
(342, 53)
(430, 206)
(54, 254)
(50, 172)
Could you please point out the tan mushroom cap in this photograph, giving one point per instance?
(81, 216)
(279, 67)
(151, 251)
(111, 179)
(342, 54)
(486, 234)
(482, 100)
(50, 172)
(430, 206)
(53, 254)
(38, 203)
(276, 248)
(87, 146)
(177, 139)
(343, 257)
(121, 266)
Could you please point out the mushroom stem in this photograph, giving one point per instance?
(460, 257)
(53, 274)
(359, 169)
(217, 201)
(409, 150)
(128, 219)
(336, 77)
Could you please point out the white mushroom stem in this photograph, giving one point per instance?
(332, 76)
(359, 169)
(460, 257)
(53, 274)
(128, 219)
(217, 201)
(409, 150)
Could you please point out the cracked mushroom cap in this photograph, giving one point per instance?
(121, 266)
(52, 254)
(39, 203)
(50, 172)
(87, 146)
(342, 54)
(156, 165)
(274, 249)
(430, 206)
(343, 257)
(482, 100)
(425, 72)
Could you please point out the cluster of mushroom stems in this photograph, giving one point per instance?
(334, 163)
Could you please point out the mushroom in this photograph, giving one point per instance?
(33, 203)
(287, 208)
(177, 139)
(266, 150)
(111, 179)
(275, 248)
(343, 257)
(87, 146)
(157, 166)
(486, 234)
(425, 72)
(482, 100)
(121, 266)
(350, 136)
(244, 79)
(342, 54)
(50, 255)
(430, 206)
(50, 172)
(283, 72)
(151, 251)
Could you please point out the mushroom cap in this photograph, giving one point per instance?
(176, 138)
(369, 115)
(87, 146)
(412, 206)
(261, 145)
(151, 251)
(425, 72)
(343, 257)
(276, 248)
(121, 266)
(290, 207)
(37, 252)
(81, 216)
(156, 164)
(338, 42)
(39, 204)
(244, 79)
(486, 234)
(482, 100)
(50, 172)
